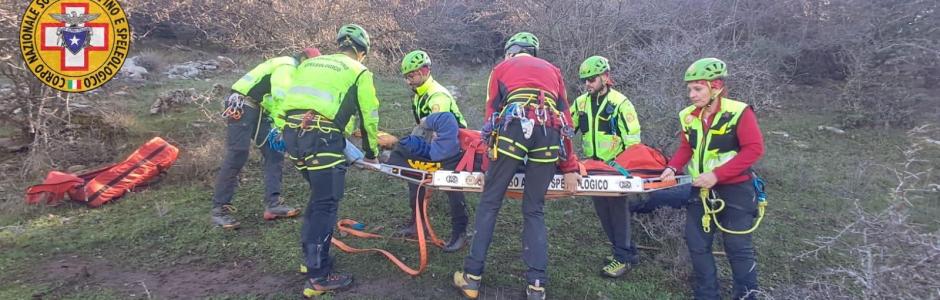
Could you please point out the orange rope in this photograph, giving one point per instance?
(421, 220)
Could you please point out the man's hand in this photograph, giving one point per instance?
(707, 180)
(668, 174)
(571, 182)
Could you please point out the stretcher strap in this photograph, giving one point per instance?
(421, 221)
(468, 161)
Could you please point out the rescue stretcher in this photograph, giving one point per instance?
(592, 183)
(608, 185)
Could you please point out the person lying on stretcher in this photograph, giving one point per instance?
(432, 146)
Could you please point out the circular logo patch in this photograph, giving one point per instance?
(74, 45)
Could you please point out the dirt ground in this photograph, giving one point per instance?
(187, 279)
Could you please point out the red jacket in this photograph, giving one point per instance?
(735, 170)
(524, 71)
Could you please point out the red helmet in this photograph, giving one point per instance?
(311, 52)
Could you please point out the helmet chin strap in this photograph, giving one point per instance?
(713, 94)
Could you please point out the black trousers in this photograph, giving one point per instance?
(456, 200)
(498, 176)
(239, 134)
(738, 214)
(614, 216)
(327, 181)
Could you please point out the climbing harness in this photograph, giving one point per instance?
(531, 107)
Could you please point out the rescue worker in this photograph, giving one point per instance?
(527, 124)
(326, 93)
(431, 97)
(719, 144)
(608, 124)
(250, 111)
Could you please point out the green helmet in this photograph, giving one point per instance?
(414, 60)
(593, 66)
(706, 69)
(354, 33)
(523, 39)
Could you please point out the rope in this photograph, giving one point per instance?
(421, 221)
(710, 198)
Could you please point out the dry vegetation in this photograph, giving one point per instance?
(887, 254)
(882, 56)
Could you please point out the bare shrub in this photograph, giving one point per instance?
(888, 255)
(650, 43)
(889, 50)
(199, 162)
(664, 226)
(464, 31)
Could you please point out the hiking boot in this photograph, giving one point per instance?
(222, 216)
(615, 269)
(410, 231)
(319, 286)
(456, 242)
(535, 292)
(277, 209)
(469, 285)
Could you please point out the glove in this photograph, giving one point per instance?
(416, 146)
(276, 140)
(386, 141)
(352, 153)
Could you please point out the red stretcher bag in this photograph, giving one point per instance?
(640, 160)
(100, 186)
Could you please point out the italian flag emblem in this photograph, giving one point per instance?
(74, 84)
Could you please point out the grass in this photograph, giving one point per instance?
(168, 227)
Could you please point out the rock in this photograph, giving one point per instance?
(219, 90)
(75, 168)
(801, 145)
(198, 69)
(832, 129)
(781, 133)
(225, 61)
(173, 98)
(132, 71)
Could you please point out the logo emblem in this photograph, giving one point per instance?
(625, 185)
(75, 45)
(427, 166)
